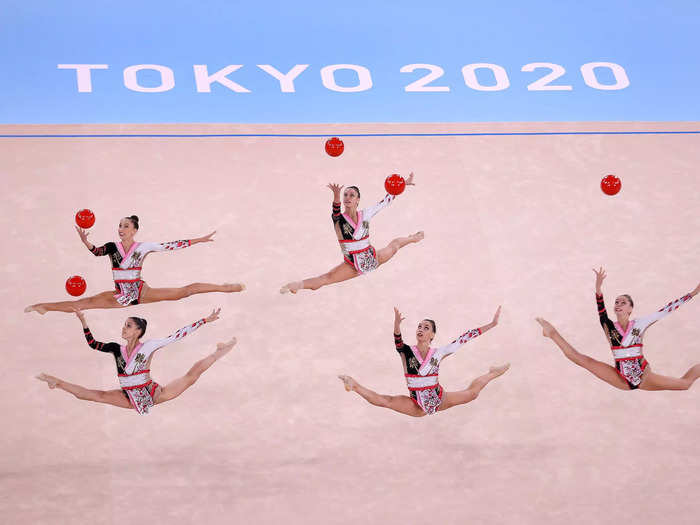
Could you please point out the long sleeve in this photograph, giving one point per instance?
(368, 213)
(602, 312)
(97, 345)
(451, 348)
(648, 320)
(335, 214)
(105, 249)
(147, 247)
(398, 342)
(179, 334)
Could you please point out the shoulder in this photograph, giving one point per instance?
(113, 347)
(111, 247)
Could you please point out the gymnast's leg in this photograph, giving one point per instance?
(451, 399)
(109, 397)
(102, 300)
(652, 381)
(178, 386)
(394, 246)
(340, 273)
(401, 404)
(599, 369)
(154, 295)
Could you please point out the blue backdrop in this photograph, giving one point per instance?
(653, 44)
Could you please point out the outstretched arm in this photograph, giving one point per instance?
(83, 234)
(467, 336)
(397, 329)
(92, 343)
(105, 249)
(186, 330)
(647, 321)
(368, 213)
(335, 188)
(600, 276)
(147, 247)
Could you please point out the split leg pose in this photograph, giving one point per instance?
(631, 370)
(421, 365)
(166, 393)
(352, 231)
(133, 362)
(126, 258)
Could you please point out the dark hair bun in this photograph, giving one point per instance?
(135, 221)
(141, 323)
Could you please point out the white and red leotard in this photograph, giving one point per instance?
(626, 345)
(134, 370)
(355, 246)
(422, 374)
(126, 266)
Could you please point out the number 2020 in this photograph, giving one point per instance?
(544, 83)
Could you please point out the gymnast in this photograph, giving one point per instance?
(631, 370)
(421, 365)
(126, 257)
(133, 360)
(352, 231)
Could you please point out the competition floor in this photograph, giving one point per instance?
(269, 435)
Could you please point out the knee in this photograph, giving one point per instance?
(189, 289)
(191, 377)
(90, 395)
(471, 395)
(383, 401)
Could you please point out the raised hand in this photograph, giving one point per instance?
(397, 320)
(207, 238)
(409, 180)
(600, 275)
(83, 234)
(335, 188)
(213, 316)
(695, 292)
(494, 321)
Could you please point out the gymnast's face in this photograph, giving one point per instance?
(130, 330)
(126, 229)
(350, 198)
(424, 332)
(623, 306)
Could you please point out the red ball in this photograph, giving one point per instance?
(610, 184)
(394, 184)
(76, 285)
(334, 147)
(85, 218)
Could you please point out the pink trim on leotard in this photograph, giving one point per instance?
(359, 219)
(416, 353)
(629, 327)
(133, 353)
(120, 247)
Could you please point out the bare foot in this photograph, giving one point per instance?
(224, 348)
(292, 287)
(35, 308)
(51, 380)
(417, 237)
(499, 370)
(234, 287)
(348, 382)
(547, 329)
